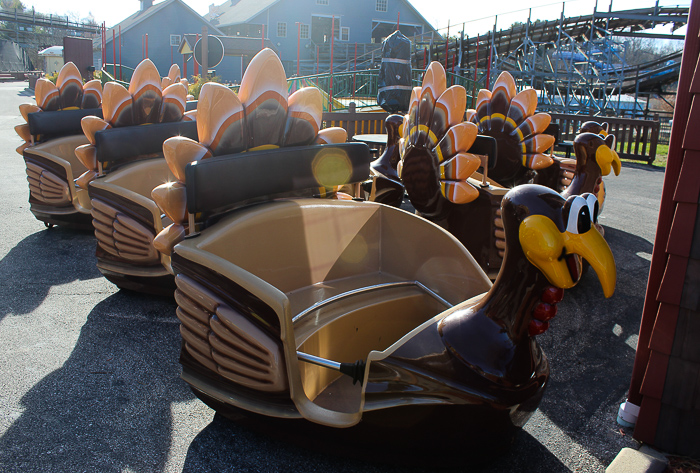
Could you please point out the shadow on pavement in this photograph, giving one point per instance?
(643, 166)
(108, 408)
(27, 92)
(591, 348)
(591, 356)
(42, 260)
(226, 446)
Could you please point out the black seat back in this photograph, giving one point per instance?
(50, 125)
(218, 184)
(119, 146)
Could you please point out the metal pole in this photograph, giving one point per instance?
(330, 89)
(354, 75)
(317, 60)
(476, 63)
(530, 66)
(491, 51)
(298, 45)
(432, 37)
(556, 68)
(262, 45)
(636, 92)
(205, 52)
(194, 61)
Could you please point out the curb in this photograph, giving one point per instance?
(644, 460)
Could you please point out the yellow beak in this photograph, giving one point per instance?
(592, 247)
(607, 158)
(551, 252)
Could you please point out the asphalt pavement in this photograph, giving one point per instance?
(89, 374)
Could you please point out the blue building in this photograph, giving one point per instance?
(303, 27)
(161, 27)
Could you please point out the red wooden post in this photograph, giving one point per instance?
(120, 52)
(263, 37)
(398, 21)
(476, 63)
(104, 44)
(488, 67)
(298, 45)
(114, 53)
(447, 45)
(330, 89)
(476, 67)
(146, 44)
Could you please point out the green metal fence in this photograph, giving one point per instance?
(362, 87)
(116, 73)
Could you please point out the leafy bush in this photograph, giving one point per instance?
(52, 77)
(196, 84)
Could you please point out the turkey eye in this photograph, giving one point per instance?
(579, 216)
(583, 220)
(593, 206)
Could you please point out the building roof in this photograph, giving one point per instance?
(236, 12)
(52, 51)
(142, 15)
(666, 376)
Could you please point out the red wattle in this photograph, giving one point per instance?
(537, 327)
(552, 295)
(544, 312)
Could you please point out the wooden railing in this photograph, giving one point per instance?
(634, 139)
(356, 123)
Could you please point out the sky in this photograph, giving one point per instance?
(477, 16)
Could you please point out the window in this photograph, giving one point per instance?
(282, 29)
(304, 31)
(382, 5)
(321, 2)
(175, 40)
(345, 34)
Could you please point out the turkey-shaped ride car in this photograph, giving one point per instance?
(124, 162)
(362, 316)
(307, 314)
(51, 133)
(126, 215)
(441, 175)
